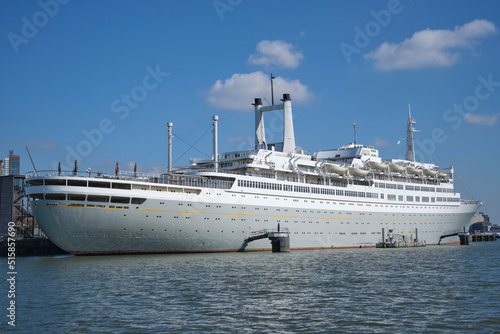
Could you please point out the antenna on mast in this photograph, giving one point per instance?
(355, 141)
(410, 149)
(272, 92)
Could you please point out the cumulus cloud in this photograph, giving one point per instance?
(381, 142)
(481, 119)
(276, 53)
(431, 48)
(239, 91)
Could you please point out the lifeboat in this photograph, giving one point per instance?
(358, 172)
(430, 172)
(378, 166)
(397, 169)
(442, 175)
(413, 171)
(336, 169)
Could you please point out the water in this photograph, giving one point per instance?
(445, 289)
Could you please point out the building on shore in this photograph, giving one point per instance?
(480, 223)
(10, 165)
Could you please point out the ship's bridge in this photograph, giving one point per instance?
(348, 152)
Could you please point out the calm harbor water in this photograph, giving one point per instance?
(445, 289)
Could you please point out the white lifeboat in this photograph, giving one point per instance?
(378, 166)
(413, 171)
(336, 169)
(430, 172)
(358, 172)
(397, 169)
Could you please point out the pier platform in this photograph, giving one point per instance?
(484, 237)
(400, 244)
(31, 247)
(395, 240)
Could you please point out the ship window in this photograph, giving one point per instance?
(36, 197)
(98, 184)
(55, 182)
(124, 200)
(126, 186)
(77, 183)
(97, 198)
(35, 182)
(76, 197)
(56, 197)
(136, 200)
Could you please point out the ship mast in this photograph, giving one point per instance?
(410, 149)
(272, 91)
(169, 125)
(355, 141)
(216, 150)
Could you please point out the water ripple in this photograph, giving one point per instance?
(446, 289)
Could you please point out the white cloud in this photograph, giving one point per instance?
(430, 48)
(481, 119)
(153, 168)
(276, 53)
(381, 142)
(239, 91)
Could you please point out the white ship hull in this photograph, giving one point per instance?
(221, 220)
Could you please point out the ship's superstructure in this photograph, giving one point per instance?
(345, 197)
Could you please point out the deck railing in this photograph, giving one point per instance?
(179, 180)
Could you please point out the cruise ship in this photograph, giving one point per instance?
(336, 198)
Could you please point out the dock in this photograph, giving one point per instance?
(30, 247)
(400, 244)
(394, 240)
(484, 237)
(467, 238)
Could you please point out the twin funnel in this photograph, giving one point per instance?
(288, 133)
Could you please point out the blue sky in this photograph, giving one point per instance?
(99, 80)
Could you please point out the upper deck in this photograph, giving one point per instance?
(123, 180)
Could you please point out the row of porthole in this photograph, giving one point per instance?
(208, 231)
